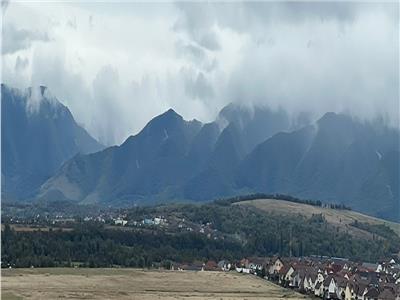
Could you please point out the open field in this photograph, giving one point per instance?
(69, 283)
(339, 218)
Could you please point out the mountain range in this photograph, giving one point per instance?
(336, 158)
(38, 134)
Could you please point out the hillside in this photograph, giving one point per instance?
(193, 232)
(341, 218)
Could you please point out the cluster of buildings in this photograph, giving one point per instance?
(173, 224)
(319, 277)
(156, 221)
(329, 278)
(152, 221)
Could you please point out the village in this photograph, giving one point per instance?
(318, 277)
(315, 276)
(111, 219)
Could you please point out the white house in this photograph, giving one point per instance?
(120, 221)
(276, 266)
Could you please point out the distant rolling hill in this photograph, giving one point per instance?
(340, 218)
(271, 226)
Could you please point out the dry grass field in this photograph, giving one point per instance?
(65, 283)
(339, 218)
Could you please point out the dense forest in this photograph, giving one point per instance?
(243, 232)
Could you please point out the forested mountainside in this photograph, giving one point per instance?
(189, 233)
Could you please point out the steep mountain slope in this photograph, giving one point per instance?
(336, 160)
(254, 125)
(169, 159)
(271, 164)
(245, 127)
(215, 179)
(38, 134)
(150, 165)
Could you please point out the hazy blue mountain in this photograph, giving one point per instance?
(254, 124)
(339, 159)
(270, 165)
(215, 179)
(203, 145)
(245, 127)
(169, 159)
(38, 134)
(150, 165)
(335, 159)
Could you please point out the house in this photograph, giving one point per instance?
(148, 222)
(349, 291)
(282, 275)
(274, 268)
(288, 278)
(157, 221)
(387, 294)
(297, 277)
(224, 265)
(243, 266)
(319, 284)
(341, 283)
(372, 294)
(211, 266)
(310, 280)
(319, 289)
(352, 288)
(370, 267)
(120, 221)
(190, 267)
(256, 264)
(361, 292)
(334, 287)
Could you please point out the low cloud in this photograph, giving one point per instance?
(117, 66)
(14, 39)
(4, 5)
(21, 64)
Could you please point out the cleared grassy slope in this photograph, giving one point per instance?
(336, 217)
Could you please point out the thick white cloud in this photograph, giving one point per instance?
(118, 65)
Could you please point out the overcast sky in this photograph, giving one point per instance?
(118, 65)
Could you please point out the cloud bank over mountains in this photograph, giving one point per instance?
(117, 65)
